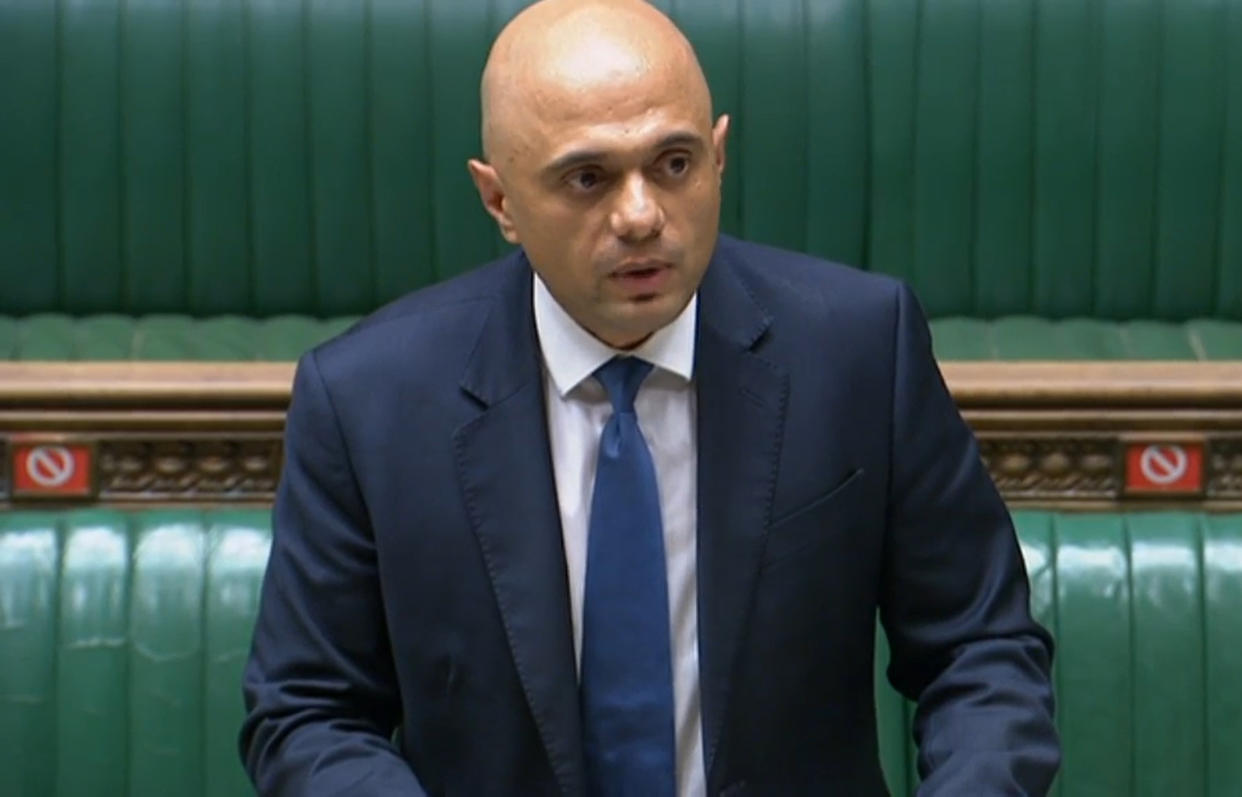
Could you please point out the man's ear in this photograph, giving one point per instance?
(720, 133)
(492, 193)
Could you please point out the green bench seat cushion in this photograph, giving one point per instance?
(179, 337)
(1030, 338)
(123, 636)
(163, 337)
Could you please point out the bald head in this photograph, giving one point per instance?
(555, 53)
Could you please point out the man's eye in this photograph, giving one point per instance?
(585, 180)
(677, 165)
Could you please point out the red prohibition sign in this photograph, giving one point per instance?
(50, 466)
(1164, 467)
(1164, 464)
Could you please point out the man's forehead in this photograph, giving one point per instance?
(622, 99)
(587, 65)
(608, 77)
(598, 57)
(606, 142)
(627, 115)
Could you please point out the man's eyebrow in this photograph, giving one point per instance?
(575, 158)
(679, 138)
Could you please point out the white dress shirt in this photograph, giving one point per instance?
(578, 408)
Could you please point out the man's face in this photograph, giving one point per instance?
(613, 189)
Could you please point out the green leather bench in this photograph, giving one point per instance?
(234, 180)
(123, 635)
(180, 337)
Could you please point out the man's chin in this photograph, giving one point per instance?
(641, 317)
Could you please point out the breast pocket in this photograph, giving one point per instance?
(816, 521)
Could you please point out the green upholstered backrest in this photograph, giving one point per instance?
(1145, 610)
(123, 635)
(122, 640)
(262, 157)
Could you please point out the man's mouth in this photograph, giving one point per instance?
(642, 278)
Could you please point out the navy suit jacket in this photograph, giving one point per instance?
(414, 628)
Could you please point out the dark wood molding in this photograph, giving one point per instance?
(1056, 435)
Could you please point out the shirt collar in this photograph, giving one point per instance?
(572, 354)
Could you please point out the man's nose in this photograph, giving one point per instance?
(638, 215)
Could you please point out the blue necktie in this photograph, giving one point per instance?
(627, 681)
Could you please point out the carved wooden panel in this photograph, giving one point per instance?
(1052, 434)
(1048, 466)
(1225, 473)
(189, 468)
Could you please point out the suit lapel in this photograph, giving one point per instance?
(741, 415)
(505, 468)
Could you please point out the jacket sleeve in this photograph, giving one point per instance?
(955, 597)
(320, 692)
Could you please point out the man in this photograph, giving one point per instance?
(615, 514)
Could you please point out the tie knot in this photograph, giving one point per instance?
(621, 378)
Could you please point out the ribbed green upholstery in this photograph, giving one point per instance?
(122, 638)
(176, 337)
(263, 157)
(1148, 674)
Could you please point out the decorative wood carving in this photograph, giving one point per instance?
(198, 469)
(1029, 467)
(1052, 434)
(1225, 473)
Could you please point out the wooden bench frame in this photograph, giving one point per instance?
(1060, 435)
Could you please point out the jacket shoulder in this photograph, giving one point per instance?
(810, 289)
(424, 330)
